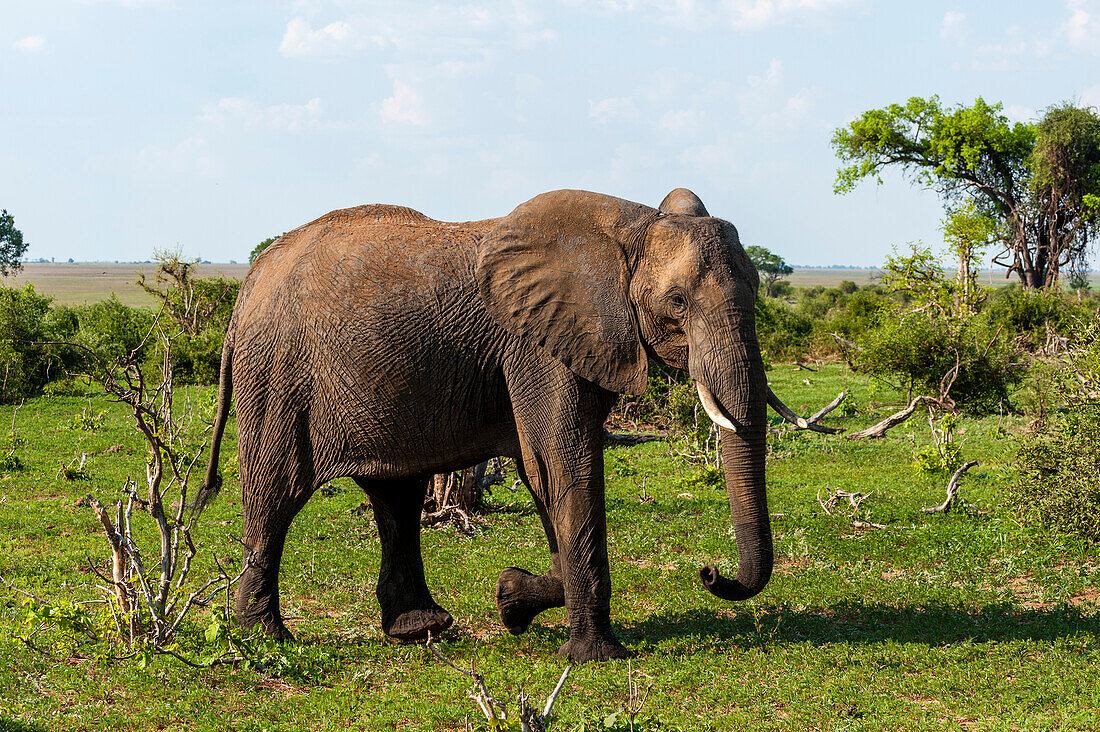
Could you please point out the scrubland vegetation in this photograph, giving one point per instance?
(879, 615)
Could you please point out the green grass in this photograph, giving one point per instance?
(89, 282)
(964, 620)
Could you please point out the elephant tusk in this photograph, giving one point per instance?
(785, 411)
(714, 411)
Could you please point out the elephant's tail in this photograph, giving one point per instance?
(213, 483)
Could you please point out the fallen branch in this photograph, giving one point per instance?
(452, 514)
(879, 430)
(854, 500)
(495, 712)
(627, 438)
(801, 423)
(952, 490)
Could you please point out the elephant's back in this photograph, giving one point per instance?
(378, 247)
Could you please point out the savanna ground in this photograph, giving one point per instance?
(963, 620)
(88, 282)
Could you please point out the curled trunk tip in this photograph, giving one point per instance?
(734, 590)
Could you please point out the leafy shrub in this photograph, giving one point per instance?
(1059, 484)
(916, 350)
(197, 359)
(24, 366)
(783, 332)
(109, 328)
(1030, 312)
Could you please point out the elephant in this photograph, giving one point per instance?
(379, 344)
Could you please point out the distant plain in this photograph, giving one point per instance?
(86, 282)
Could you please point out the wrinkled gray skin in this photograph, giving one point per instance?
(380, 344)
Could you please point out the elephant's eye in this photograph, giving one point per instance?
(678, 302)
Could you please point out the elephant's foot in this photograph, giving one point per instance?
(522, 595)
(272, 624)
(414, 625)
(580, 650)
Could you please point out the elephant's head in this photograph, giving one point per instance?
(601, 283)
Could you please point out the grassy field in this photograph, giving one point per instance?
(84, 282)
(950, 621)
(75, 284)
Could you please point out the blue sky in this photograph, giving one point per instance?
(130, 125)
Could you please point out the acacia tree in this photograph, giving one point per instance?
(770, 266)
(1040, 182)
(12, 245)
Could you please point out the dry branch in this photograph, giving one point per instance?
(952, 490)
(801, 423)
(879, 430)
(496, 714)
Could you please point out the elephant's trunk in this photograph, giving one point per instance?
(743, 460)
(741, 401)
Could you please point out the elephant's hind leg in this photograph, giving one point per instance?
(521, 595)
(267, 518)
(408, 611)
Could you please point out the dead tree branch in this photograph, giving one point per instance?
(879, 430)
(952, 490)
(801, 423)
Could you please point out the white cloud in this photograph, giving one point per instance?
(680, 121)
(335, 39)
(1020, 113)
(277, 117)
(1082, 28)
(31, 44)
(128, 3)
(612, 108)
(719, 159)
(771, 79)
(404, 107)
(746, 15)
(450, 32)
(952, 24)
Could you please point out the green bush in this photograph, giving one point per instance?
(783, 332)
(1059, 484)
(197, 359)
(24, 366)
(915, 350)
(1031, 312)
(110, 329)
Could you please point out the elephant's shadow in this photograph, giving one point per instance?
(931, 624)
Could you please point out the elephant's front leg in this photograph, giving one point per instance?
(521, 595)
(561, 438)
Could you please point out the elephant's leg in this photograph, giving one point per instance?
(522, 595)
(268, 511)
(560, 423)
(408, 611)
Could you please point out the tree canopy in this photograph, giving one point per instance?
(259, 248)
(1040, 183)
(12, 245)
(770, 266)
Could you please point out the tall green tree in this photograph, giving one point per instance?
(259, 248)
(1038, 182)
(12, 245)
(770, 266)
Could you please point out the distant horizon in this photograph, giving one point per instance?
(855, 267)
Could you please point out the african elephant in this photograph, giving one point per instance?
(383, 345)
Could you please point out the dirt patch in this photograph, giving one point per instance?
(790, 565)
(1088, 597)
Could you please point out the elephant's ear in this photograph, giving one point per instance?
(556, 272)
(683, 201)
